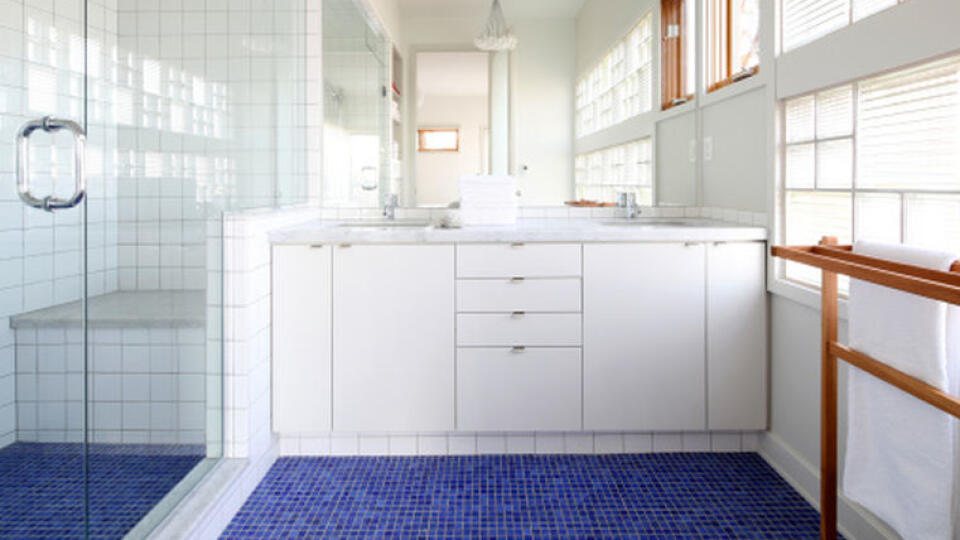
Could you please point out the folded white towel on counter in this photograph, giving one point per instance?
(901, 453)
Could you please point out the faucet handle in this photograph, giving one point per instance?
(392, 200)
(626, 199)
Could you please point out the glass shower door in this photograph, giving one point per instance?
(43, 270)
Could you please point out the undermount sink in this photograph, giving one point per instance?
(386, 224)
(653, 222)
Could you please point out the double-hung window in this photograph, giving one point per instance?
(620, 86)
(733, 41)
(878, 159)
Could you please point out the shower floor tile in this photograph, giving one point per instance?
(638, 496)
(42, 487)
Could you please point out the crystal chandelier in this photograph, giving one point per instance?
(497, 36)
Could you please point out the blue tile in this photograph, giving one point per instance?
(632, 496)
(42, 487)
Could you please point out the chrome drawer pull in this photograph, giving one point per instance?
(517, 280)
(518, 314)
(518, 350)
(517, 245)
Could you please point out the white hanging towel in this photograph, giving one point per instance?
(901, 453)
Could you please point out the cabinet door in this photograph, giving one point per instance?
(737, 336)
(301, 338)
(537, 389)
(393, 338)
(644, 359)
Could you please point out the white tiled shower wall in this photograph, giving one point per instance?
(41, 73)
(145, 385)
(212, 98)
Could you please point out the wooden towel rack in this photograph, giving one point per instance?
(834, 259)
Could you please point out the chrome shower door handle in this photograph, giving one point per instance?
(51, 125)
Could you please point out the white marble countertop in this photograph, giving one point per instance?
(526, 230)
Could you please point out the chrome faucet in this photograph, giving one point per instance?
(628, 201)
(390, 207)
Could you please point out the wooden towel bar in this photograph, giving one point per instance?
(834, 260)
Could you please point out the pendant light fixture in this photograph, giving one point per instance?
(497, 36)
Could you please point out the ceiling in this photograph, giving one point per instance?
(453, 73)
(512, 9)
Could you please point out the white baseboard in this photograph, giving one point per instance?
(855, 522)
(466, 443)
(206, 512)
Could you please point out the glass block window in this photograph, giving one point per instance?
(601, 174)
(620, 86)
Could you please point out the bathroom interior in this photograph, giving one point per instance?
(479, 268)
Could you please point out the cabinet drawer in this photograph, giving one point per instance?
(508, 295)
(523, 260)
(534, 390)
(529, 329)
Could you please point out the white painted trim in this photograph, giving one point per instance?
(805, 296)
(459, 443)
(211, 505)
(855, 522)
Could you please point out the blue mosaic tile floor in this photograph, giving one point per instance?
(41, 487)
(620, 496)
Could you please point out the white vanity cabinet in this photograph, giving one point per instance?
(644, 340)
(622, 336)
(519, 337)
(393, 338)
(301, 338)
(737, 336)
(675, 336)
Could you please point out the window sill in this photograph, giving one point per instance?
(733, 90)
(805, 296)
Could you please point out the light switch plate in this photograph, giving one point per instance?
(693, 151)
(708, 148)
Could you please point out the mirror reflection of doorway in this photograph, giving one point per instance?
(452, 113)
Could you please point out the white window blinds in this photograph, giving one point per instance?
(878, 159)
(909, 129)
(807, 20)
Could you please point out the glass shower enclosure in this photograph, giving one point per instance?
(127, 130)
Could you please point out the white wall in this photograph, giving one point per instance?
(677, 170)
(734, 172)
(542, 76)
(438, 173)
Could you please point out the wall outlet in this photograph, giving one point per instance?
(708, 148)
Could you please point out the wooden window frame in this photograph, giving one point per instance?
(673, 55)
(420, 141)
(720, 46)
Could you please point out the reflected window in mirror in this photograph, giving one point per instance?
(438, 140)
(620, 86)
(602, 174)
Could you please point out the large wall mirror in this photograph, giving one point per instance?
(356, 169)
